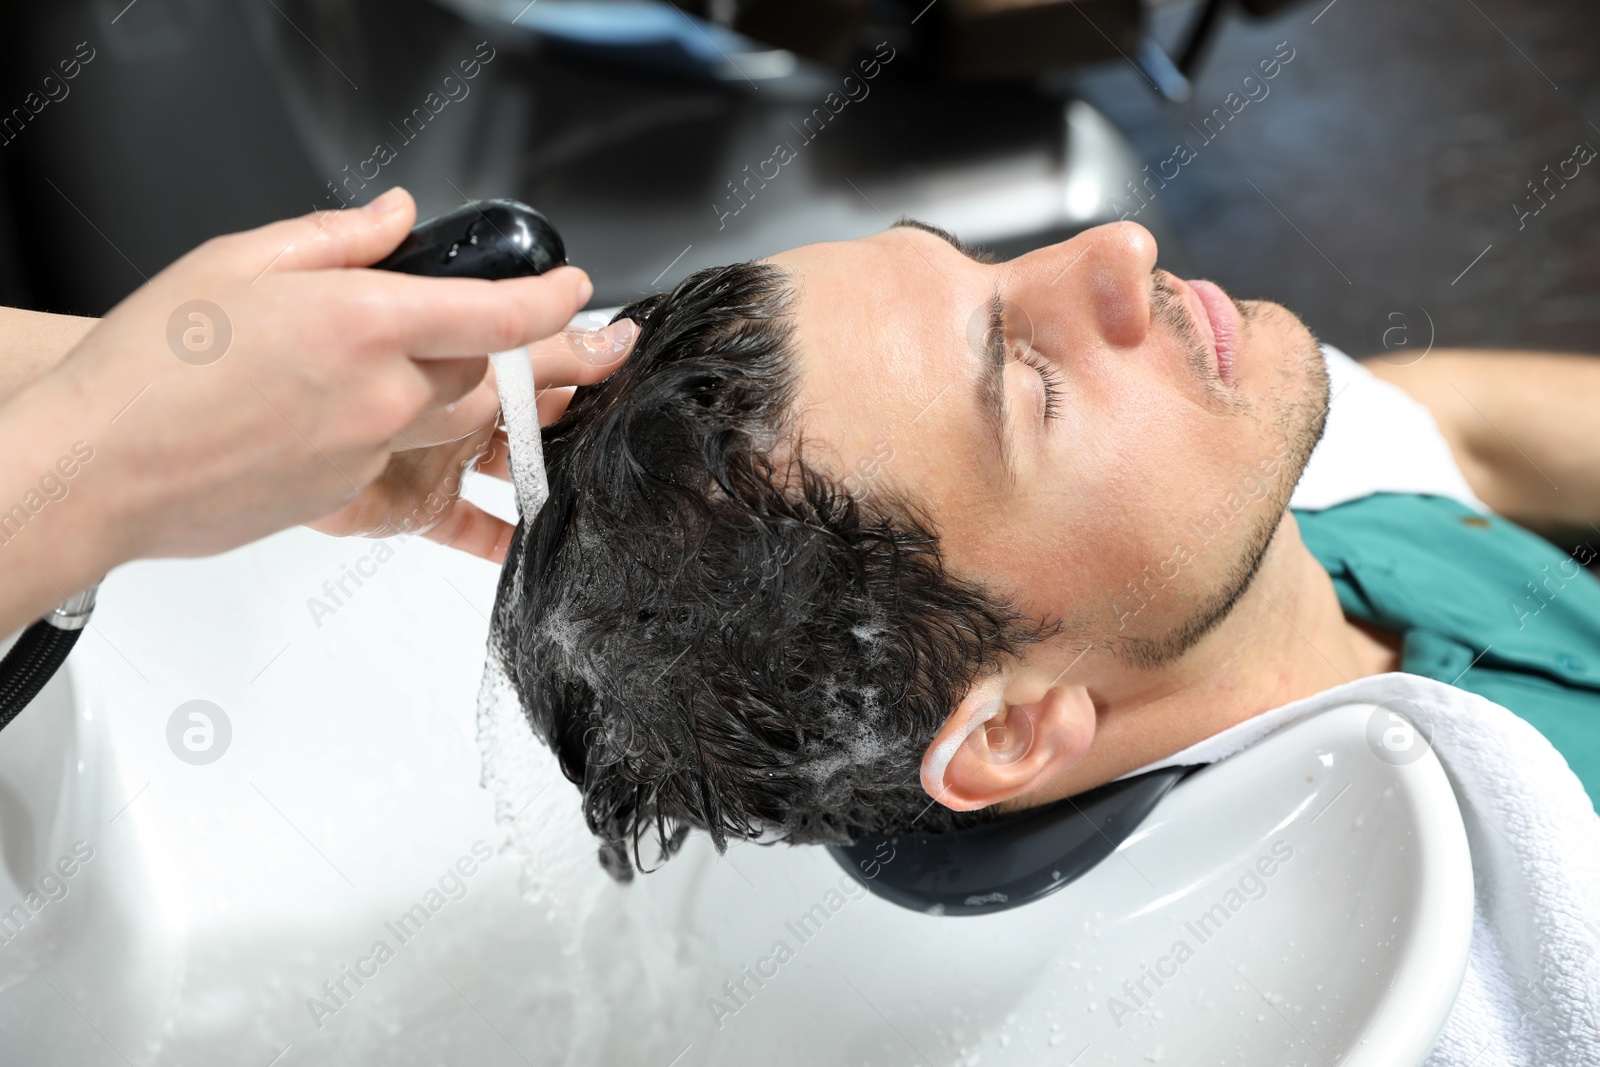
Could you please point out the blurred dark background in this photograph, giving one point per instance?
(1383, 164)
(1396, 142)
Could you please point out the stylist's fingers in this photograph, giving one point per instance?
(553, 404)
(559, 362)
(451, 420)
(447, 421)
(468, 528)
(323, 240)
(448, 317)
(452, 379)
(577, 357)
(495, 460)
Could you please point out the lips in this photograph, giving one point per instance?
(1221, 321)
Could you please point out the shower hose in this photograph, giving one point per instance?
(39, 653)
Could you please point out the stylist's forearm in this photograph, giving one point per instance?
(32, 343)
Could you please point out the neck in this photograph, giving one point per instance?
(1286, 639)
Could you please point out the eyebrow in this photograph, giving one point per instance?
(977, 255)
(992, 385)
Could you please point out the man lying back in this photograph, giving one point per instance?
(879, 535)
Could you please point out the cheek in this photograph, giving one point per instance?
(1119, 506)
(1059, 550)
(1133, 466)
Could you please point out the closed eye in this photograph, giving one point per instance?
(1049, 375)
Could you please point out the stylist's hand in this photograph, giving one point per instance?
(201, 445)
(420, 490)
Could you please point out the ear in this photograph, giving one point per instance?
(1009, 734)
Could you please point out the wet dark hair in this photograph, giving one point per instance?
(709, 635)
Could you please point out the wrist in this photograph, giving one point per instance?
(58, 533)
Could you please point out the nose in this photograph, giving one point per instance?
(1101, 277)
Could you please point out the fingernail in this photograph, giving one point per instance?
(603, 347)
(621, 333)
(388, 202)
(585, 290)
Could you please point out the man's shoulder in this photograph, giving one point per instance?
(1482, 604)
(1439, 550)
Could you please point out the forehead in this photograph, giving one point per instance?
(865, 311)
(868, 291)
(879, 324)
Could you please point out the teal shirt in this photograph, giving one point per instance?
(1481, 603)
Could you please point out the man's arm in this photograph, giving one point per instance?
(1524, 428)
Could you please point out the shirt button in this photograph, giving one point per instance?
(1570, 662)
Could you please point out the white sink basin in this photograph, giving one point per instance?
(1303, 903)
(223, 901)
(83, 927)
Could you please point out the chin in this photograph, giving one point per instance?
(1279, 352)
(1284, 377)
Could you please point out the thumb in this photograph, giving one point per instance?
(325, 240)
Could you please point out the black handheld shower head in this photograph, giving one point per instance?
(480, 239)
(494, 239)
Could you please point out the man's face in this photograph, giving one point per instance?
(1108, 446)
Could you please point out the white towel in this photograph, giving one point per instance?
(1531, 994)
(1377, 440)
